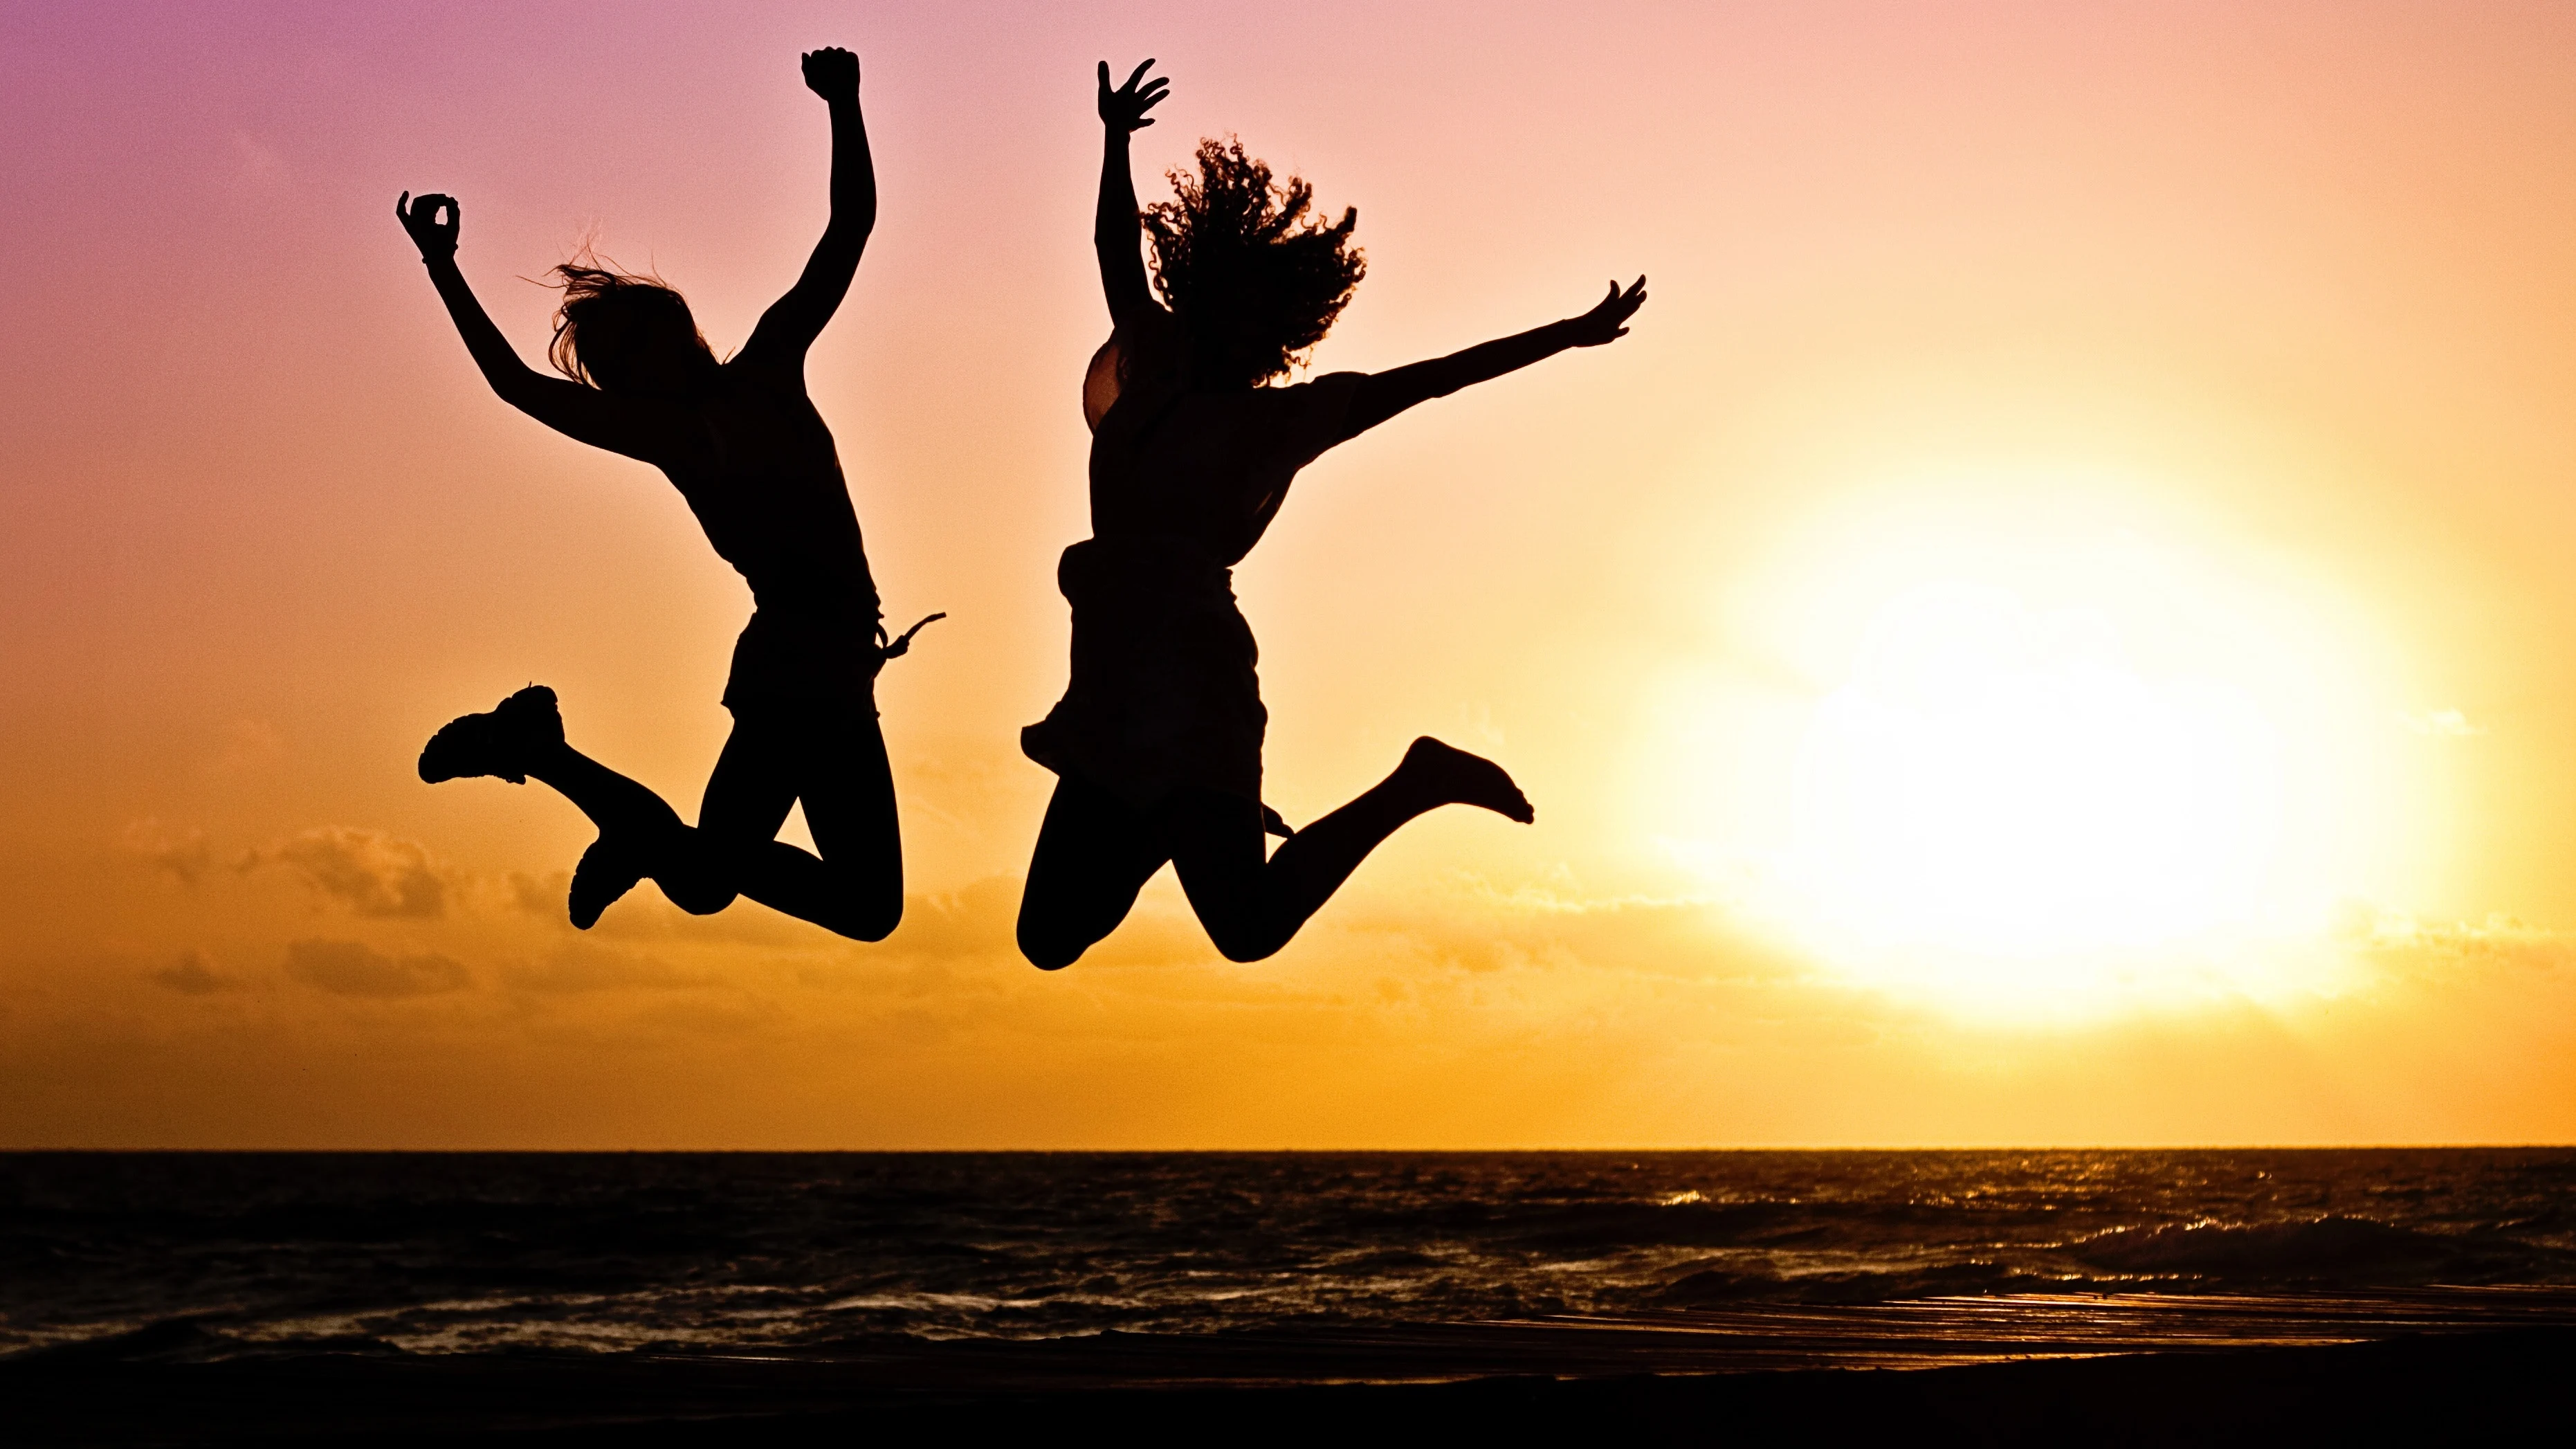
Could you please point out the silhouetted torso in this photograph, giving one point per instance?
(1209, 467)
(758, 468)
(1165, 690)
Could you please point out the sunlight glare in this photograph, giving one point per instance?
(2001, 778)
(2057, 766)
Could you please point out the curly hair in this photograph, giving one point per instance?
(618, 313)
(1254, 280)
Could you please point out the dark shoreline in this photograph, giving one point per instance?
(2428, 1388)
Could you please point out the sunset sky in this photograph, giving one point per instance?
(2055, 629)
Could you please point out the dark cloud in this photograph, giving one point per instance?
(193, 975)
(183, 853)
(541, 896)
(350, 968)
(370, 872)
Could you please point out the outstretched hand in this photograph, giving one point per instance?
(434, 237)
(1123, 110)
(1607, 322)
(832, 73)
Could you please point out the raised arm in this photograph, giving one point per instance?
(567, 407)
(1381, 395)
(793, 322)
(1113, 230)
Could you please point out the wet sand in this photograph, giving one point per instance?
(1585, 1381)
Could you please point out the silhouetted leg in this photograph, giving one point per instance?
(750, 792)
(1093, 855)
(833, 757)
(848, 789)
(640, 835)
(614, 803)
(522, 738)
(1252, 907)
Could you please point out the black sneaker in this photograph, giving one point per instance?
(497, 743)
(605, 873)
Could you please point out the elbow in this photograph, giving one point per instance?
(848, 232)
(847, 237)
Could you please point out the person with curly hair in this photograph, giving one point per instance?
(1156, 744)
(752, 457)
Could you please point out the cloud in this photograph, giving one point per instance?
(185, 854)
(370, 872)
(2442, 724)
(349, 968)
(193, 975)
(977, 920)
(541, 896)
(585, 967)
(2393, 938)
(1485, 930)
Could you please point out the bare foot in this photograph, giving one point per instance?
(1454, 777)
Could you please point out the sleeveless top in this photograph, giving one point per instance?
(766, 485)
(1165, 691)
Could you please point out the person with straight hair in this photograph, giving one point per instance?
(1156, 744)
(744, 445)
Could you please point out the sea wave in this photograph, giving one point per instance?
(2327, 1249)
(224, 1255)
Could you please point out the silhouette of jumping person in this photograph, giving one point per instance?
(1156, 743)
(744, 445)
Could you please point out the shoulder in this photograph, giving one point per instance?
(1313, 415)
(755, 396)
(1140, 367)
(755, 369)
(1325, 391)
(1151, 353)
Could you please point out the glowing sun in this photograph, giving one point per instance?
(2056, 765)
(2002, 779)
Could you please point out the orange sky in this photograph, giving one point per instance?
(2242, 337)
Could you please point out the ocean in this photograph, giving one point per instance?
(245, 1255)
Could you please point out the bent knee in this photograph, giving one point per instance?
(870, 925)
(697, 897)
(1051, 950)
(861, 914)
(1245, 947)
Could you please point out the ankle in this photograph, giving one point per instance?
(1419, 779)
